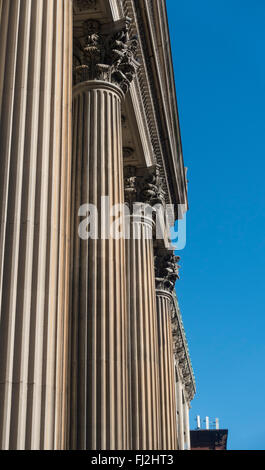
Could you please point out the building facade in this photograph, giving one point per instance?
(93, 353)
(209, 439)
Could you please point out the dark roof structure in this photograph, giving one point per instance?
(209, 439)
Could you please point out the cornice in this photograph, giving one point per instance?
(162, 53)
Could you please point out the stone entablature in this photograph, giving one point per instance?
(181, 350)
(149, 22)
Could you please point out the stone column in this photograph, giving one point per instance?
(104, 67)
(143, 332)
(181, 440)
(187, 424)
(35, 136)
(166, 275)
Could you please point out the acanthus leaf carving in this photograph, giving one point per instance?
(152, 187)
(167, 271)
(144, 184)
(102, 54)
(130, 185)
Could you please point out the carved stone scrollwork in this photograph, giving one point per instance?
(106, 52)
(167, 271)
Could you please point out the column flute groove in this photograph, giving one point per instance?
(166, 275)
(140, 185)
(33, 217)
(99, 260)
(99, 383)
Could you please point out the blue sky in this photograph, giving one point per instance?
(218, 52)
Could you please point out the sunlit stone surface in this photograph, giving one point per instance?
(93, 353)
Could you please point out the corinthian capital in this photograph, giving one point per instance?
(130, 185)
(166, 271)
(106, 52)
(152, 187)
(143, 185)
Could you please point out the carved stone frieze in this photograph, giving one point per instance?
(106, 52)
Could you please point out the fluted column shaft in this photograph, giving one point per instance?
(187, 425)
(99, 404)
(143, 337)
(35, 133)
(166, 371)
(180, 415)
